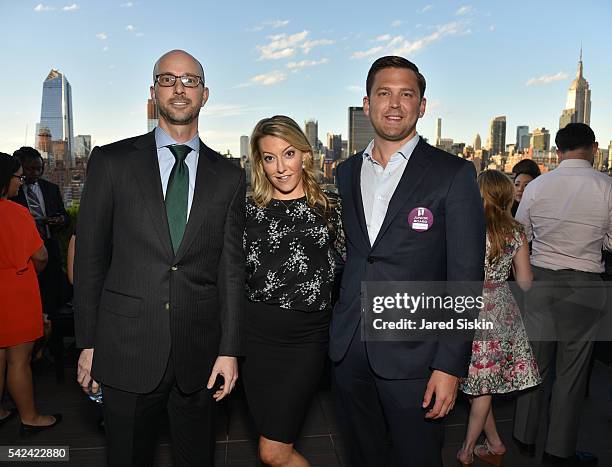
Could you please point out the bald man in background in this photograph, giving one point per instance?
(159, 277)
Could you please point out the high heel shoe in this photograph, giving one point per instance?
(486, 454)
(29, 430)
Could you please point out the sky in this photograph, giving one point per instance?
(304, 59)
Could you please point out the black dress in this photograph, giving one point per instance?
(292, 256)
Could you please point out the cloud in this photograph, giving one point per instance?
(409, 47)
(464, 10)
(102, 36)
(72, 7)
(399, 45)
(308, 45)
(367, 53)
(40, 7)
(547, 79)
(266, 79)
(105, 48)
(134, 30)
(275, 55)
(306, 63)
(396, 24)
(281, 46)
(426, 8)
(492, 28)
(278, 23)
(127, 5)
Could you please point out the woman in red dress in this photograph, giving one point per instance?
(22, 255)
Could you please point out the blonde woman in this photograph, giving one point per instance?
(293, 243)
(502, 360)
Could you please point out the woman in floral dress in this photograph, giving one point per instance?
(293, 243)
(502, 359)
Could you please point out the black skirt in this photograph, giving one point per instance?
(285, 356)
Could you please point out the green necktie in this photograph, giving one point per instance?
(177, 194)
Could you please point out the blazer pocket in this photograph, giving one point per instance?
(121, 304)
(207, 309)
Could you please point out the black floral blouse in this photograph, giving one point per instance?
(292, 254)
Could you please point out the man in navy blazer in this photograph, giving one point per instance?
(401, 389)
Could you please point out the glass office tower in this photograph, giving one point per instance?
(56, 111)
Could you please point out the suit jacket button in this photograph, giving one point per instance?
(371, 259)
(167, 306)
(174, 268)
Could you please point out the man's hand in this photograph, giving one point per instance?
(444, 387)
(55, 220)
(228, 368)
(84, 372)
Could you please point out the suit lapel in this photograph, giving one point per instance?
(414, 173)
(145, 165)
(206, 183)
(357, 199)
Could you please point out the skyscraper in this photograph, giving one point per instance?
(540, 139)
(311, 129)
(578, 104)
(56, 111)
(44, 141)
(82, 145)
(152, 115)
(522, 137)
(244, 146)
(334, 145)
(477, 143)
(360, 130)
(438, 130)
(497, 135)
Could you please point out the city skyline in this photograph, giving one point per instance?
(480, 61)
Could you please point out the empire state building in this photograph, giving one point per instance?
(578, 105)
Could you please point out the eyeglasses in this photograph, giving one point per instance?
(168, 80)
(20, 177)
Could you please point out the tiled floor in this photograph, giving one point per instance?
(320, 441)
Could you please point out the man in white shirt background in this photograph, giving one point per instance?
(566, 214)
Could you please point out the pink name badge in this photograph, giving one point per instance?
(420, 219)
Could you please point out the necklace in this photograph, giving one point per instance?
(287, 203)
(287, 206)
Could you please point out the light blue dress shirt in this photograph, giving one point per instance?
(166, 161)
(378, 184)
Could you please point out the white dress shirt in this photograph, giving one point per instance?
(378, 184)
(567, 213)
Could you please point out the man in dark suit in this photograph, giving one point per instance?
(45, 203)
(407, 387)
(159, 276)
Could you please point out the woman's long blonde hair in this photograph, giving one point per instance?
(497, 192)
(287, 129)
